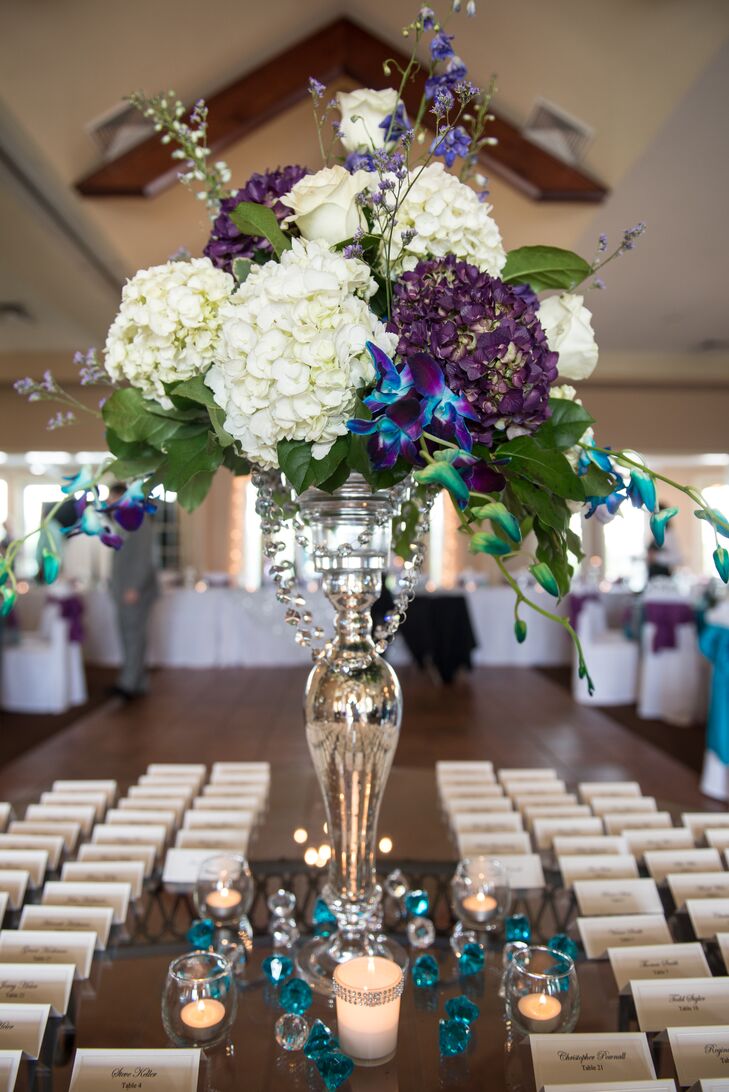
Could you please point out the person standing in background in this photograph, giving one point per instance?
(134, 589)
(664, 560)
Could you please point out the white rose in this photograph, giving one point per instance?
(568, 326)
(324, 204)
(363, 112)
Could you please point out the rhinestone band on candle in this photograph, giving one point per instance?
(367, 990)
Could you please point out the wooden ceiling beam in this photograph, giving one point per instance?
(342, 48)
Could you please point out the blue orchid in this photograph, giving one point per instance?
(393, 433)
(605, 508)
(392, 384)
(659, 520)
(85, 479)
(89, 522)
(642, 490)
(444, 410)
(129, 511)
(591, 454)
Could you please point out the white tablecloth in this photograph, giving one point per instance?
(492, 616)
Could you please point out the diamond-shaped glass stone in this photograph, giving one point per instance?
(425, 972)
(322, 914)
(453, 1036)
(417, 904)
(321, 1038)
(460, 937)
(421, 932)
(462, 1008)
(334, 1068)
(565, 945)
(396, 884)
(518, 927)
(277, 968)
(295, 996)
(282, 902)
(472, 959)
(284, 932)
(201, 933)
(291, 1031)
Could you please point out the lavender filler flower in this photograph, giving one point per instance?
(487, 338)
(226, 242)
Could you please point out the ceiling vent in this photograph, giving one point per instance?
(558, 132)
(119, 130)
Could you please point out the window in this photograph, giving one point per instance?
(625, 546)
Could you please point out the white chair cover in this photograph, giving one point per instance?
(611, 658)
(673, 681)
(75, 673)
(35, 673)
(492, 617)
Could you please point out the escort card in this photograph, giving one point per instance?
(617, 822)
(110, 851)
(14, 883)
(487, 821)
(153, 781)
(121, 817)
(531, 788)
(471, 803)
(592, 1058)
(599, 934)
(708, 916)
(552, 800)
(722, 940)
(545, 830)
(494, 844)
(600, 845)
(658, 961)
(641, 840)
(617, 866)
(589, 789)
(215, 840)
(174, 804)
(22, 1027)
(525, 870)
(452, 790)
(125, 872)
(527, 773)
(614, 1086)
(265, 767)
(232, 790)
(699, 821)
(48, 946)
(153, 1070)
(51, 844)
(98, 800)
(602, 805)
(160, 792)
(698, 885)
(223, 803)
(109, 787)
(34, 862)
(700, 1053)
(717, 837)
(680, 1002)
(9, 1065)
(709, 1084)
(129, 834)
(218, 820)
(96, 919)
(69, 832)
(48, 984)
(660, 862)
(69, 893)
(173, 769)
(559, 811)
(83, 814)
(182, 866)
(239, 777)
(6, 812)
(604, 897)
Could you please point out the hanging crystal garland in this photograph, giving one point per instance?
(276, 505)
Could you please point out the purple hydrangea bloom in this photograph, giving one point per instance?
(226, 242)
(487, 339)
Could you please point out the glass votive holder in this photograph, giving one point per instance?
(367, 991)
(199, 999)
(224, 888)
(481, 893)
(542, 991)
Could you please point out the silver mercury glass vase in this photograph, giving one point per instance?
(353, 708)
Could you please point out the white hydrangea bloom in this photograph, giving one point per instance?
(168, 325)
(447, 218)
(292, 350)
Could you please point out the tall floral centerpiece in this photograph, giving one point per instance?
(358, 338)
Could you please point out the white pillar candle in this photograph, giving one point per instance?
(202, 1018)
(480, 907)
(539, 1012)
(368, 991)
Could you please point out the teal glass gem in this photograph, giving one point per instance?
(425, 972)
(295, 996)
(201, 933)
(334, 1068)
(518, 927)
(277, 968)
(321, 1039)
(322, 914)
(417, 904)
(472, 959)
(453, 1037)
(461, 1008)
(565, 945)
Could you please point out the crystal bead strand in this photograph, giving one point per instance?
(407, 578)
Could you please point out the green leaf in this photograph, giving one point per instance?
(187, 459)
(403, 528)
(260, 222)
(484, 542)
(137, 420)
(544, 267)
(241, 269)
(550, 509)
(443, 474)
(574, 544)
(236, 463)
(193, 390)
(566, 426)
(597, 482)
(321, 469)
(217, 420)
(336, 479)
(294, 459)
(530, 460)
(191, 495)
(499, 514)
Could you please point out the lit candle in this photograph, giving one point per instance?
(223, 902)
(368, 991)
(203, 1018)
(540, 1012)
(480, 907)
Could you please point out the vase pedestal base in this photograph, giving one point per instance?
(319, 957)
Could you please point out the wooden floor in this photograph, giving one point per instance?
(511, 716)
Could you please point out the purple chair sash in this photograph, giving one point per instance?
(577, 601)
(666, 617)
(72, 611)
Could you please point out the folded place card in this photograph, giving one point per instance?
(711, 1085)
(699, 821)
(110, 851)
(680, 1002)
(546, 830)
(14, 884)
(90, 893)
(265, 767)
(643, 839)
(182, 866)
(589, 789)
(473, 803)
(455, 789)
(237, 777)
(121, 817)
(603, 805)
(524, 869)
(532, 788)
(51, 845)
(491, 821)
(660, 862)
(618, 821)
(722, 939)
(98, 800)
(33, 861)
(131, 833)
(602, 897)
(68, 832)
(83, 814)
(658, 961)
(22, 1027)
(527, 773)
(190, 784)
(557, 811)
(6, 812)
(90, 919)
(617, 866)
(697, 885)
(202, 820)
(458, 780)
(224, 803)
(718, 837)
(614, 1086)
(9, 1065)
(599, 845)
(700, 1053)
(43, 984)
(590, 1058)
(130, 873)
(510, 842)
(165, 768)
(175, 805)
(534, 800)
(231, 790)
(223, 840)
(109, 787)
(627, 931)
(48, 946)
(145, 1070)
(708, 916)
(160, 792)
